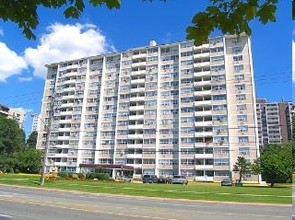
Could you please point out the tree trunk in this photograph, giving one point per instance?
(272, 184)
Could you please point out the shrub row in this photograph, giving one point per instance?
(82, 176)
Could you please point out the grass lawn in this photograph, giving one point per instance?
(193, 191)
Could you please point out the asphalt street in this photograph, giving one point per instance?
(17, 203)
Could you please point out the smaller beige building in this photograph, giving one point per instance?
(14, 114)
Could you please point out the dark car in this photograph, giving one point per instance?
(179, 180)
(163, 179)
(149, 179)
(226, 182)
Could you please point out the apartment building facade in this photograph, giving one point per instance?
(15, 114)
(162, 109)
(274, 121)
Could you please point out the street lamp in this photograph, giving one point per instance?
(47, 130)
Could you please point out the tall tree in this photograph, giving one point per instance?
(242, 167)
(32, 140)
(12, 137)
(275, 163)
(27, 161)
(229, 16)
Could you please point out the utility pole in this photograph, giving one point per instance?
(47, 128)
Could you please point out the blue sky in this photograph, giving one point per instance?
(101, 30)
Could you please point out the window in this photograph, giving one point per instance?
(187, 100)
(187, 109)
(243, 139)
(218, 97)
(220, 140)
(245, 151)
(238, 58)
(219, 107)
(241, 87)
(220, 118)
(217, 68)
(216, 49)
(239, 77)
(237, 49)
(243, 128)
(218, 87)
(239, 67)
(217, 59)
(240, 97)
(242, 117)
(221, 162)
(187, 119)
(218, 78)
(150, 103)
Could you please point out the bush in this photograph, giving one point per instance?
(62, 174)
(98, 176)
(82, 176)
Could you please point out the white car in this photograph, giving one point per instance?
(179, 180)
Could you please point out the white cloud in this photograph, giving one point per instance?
(10, 62)
(25, 79)
(64, 42)
(25, 110)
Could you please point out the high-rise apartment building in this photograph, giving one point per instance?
(274, 122)
(162, 109)
(15, 114)
(36, 123)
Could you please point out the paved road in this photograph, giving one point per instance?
(35, 204)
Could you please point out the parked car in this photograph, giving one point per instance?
(179, 180)
(149, 179)
(227, 182)
(162, 179)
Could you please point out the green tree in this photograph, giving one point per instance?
(32, 140)
(275, 163)
(242, 167)
(27, 161)
(12, 137)
(229, 16)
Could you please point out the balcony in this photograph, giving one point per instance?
(202, 93)
(65, 121)
(135, 108)
(134, 156)
(138, 72)
(204, 156)
(137, 146)
(137, 81)
(202, 64)
(135, 136)
(203, 123)
(136, 126)
(65, 129)
(202, 73)
(138, 56)
(203, 82)
(203, 134)
(62, 138)
(135, 90)
(137, 98)
(203, 102)
(203, 113)
(136, 117)
(204, 167)
(201, 55)
(138, 64)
